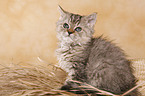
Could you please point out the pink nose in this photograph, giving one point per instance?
(70, 31)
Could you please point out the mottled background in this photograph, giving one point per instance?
(27, 27)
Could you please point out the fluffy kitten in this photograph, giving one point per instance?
(94, 61)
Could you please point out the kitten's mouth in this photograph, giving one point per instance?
(69, 33)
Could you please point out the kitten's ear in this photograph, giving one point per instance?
(91, 19)
(62, 12)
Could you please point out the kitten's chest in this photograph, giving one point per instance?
(68, 55)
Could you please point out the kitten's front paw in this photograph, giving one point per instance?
(66, 87)
(72, 87)
(69, 86)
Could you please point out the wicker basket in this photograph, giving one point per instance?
(139, 65)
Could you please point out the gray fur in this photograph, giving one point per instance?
(95, 61)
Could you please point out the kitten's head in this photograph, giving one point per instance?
(75, 28)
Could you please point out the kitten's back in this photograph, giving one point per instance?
(108, 69)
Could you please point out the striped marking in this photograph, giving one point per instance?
(76, 19)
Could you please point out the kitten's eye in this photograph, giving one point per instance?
(65, 25)
(78, 29)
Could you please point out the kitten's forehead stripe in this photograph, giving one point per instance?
(75, 18)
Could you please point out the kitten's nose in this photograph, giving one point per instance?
(70, 31)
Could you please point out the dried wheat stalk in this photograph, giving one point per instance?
(39, 80)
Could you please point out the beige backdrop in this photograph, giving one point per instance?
(27, 27)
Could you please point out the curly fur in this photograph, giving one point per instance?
(95, 61)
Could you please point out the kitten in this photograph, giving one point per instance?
(94, 61)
